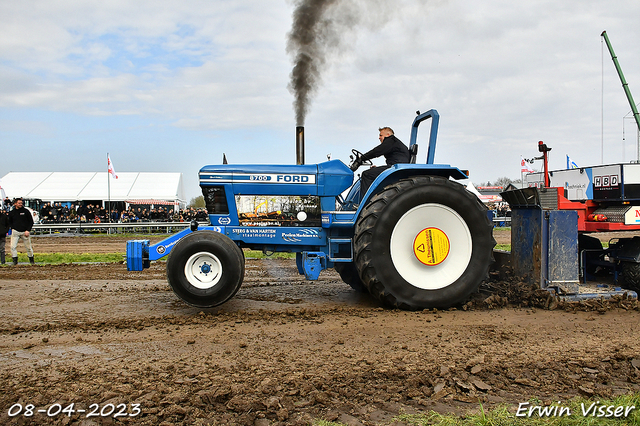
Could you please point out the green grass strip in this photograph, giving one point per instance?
(575, 412)
(256, 254)
(59, 258)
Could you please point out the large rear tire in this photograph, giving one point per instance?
(423, 242)
(205, 269)
(349, 275)
(631, 276)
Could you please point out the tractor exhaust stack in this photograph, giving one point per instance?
(300, 145)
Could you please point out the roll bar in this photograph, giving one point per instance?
(435, 118)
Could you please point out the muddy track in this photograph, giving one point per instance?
(289, 351)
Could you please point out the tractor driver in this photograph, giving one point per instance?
(394, 152)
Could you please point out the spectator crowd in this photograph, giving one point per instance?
(500, 209)
(62, 213)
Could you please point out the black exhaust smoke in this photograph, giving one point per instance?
(299, 145)
(306, 44)
(322, 29)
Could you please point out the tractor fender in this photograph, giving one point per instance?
(403, 171)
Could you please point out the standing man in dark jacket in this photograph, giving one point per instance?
(394, 152)
(4, 228)
(21, 222)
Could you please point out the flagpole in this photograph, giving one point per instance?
(108, 189)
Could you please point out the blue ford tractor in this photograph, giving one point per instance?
(415, 240)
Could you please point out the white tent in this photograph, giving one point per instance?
(469, 185)
(79, 186)
(486, 199)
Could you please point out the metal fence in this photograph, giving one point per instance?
(502, 222)
(110, 228)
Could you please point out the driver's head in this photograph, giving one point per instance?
(384, 132)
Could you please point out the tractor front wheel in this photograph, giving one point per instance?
(205, 269)
(423, 242)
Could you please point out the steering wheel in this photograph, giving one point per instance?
(357, 159)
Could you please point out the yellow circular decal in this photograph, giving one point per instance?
(431, 246)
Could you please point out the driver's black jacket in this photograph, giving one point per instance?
(392, 148)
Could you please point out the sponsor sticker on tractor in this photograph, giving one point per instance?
(431, 246)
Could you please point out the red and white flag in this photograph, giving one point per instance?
(525, 167)
(110, 168)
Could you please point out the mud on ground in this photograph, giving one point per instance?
(289, 351)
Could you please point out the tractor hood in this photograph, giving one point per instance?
(330, 178)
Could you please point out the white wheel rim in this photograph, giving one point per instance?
(203, 270)
(412, 223)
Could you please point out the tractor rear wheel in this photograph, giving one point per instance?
(205, 269)
(349, 275)
(423, 242)
(631, 276)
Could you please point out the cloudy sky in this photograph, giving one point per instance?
(171, 86)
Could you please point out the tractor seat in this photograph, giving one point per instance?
(413, 150)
